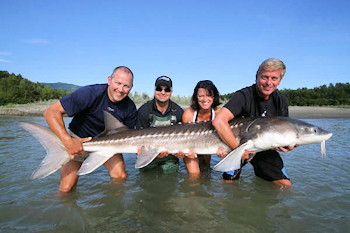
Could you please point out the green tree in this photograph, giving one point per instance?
(15, 89)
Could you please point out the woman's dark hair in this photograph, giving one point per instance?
(212, 91)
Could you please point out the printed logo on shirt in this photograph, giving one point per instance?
(110, 109)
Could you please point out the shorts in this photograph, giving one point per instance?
(268, 165)
(204, 161)
(232, 175)
(168, 164)
(235, 174)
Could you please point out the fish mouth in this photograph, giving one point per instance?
(329, 136)
(315, 138)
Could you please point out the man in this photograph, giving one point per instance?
(259, 100)
(86, 105)
(161, 111)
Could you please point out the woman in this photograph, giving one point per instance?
(205, 103)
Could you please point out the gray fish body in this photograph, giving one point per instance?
(200, 136)
(255, 134)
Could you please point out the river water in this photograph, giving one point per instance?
(319, 200)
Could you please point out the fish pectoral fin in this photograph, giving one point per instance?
(146, 156)
(93, 161)
(233, 160)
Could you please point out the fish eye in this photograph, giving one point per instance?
(312, 129)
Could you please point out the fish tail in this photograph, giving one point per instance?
(56, 155)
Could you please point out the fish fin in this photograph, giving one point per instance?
(112, 125)
(56, 155)
(233, 160)
(146, 156)
(93, 161)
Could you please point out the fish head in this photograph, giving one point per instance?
(271, 132)
(308, 133)
(275, 132)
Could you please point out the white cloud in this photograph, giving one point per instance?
(36, 41)
(4, 61)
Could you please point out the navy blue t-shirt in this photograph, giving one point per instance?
(86, 106)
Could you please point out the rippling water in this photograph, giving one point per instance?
(319, 200)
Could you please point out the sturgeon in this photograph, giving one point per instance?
(255, 134)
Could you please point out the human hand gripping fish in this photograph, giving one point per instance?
(286, 148)
(221, 152)
(161, 154)
(74, 146)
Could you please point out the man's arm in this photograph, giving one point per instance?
(223, 128)
(54, 118)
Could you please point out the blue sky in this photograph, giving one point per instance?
(80, 42)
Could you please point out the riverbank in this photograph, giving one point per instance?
(37, 109)
(318, 112)
(31, 109)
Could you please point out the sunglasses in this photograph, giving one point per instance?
(165, 89)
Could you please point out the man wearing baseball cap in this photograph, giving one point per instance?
(161, 111)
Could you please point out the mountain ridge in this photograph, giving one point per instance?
(62, 86)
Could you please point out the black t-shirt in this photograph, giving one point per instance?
(247, 103)
(149, 108)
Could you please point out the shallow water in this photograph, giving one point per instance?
(155, 202)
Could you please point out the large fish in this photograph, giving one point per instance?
(265, 133)
(255, 134)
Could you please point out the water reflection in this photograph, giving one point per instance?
(157, 202)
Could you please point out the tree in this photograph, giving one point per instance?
(17, 90)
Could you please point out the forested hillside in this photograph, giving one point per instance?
(331, 95)
(62, 86)
(14, 89)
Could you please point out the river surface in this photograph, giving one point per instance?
(319, 200)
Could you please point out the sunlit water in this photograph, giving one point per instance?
(319, 200)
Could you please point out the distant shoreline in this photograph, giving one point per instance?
(37, 109)
(306, 112)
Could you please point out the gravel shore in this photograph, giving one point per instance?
(31, 109)
(36, 109)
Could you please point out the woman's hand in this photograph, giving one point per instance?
(221, 152)
(191, 154)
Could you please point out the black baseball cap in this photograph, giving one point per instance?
(164, 80)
